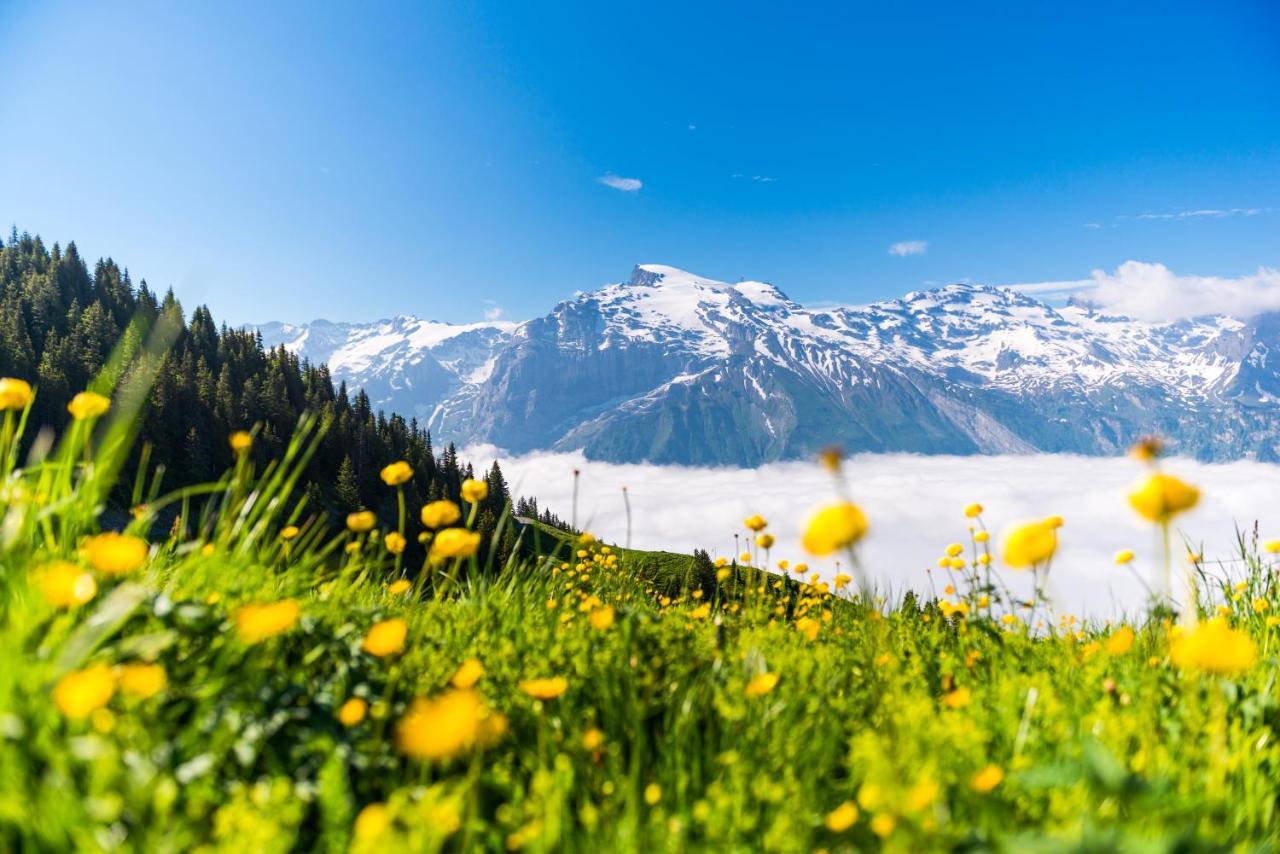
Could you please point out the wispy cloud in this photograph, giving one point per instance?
(493, 311)
(903, 248)
(683, 508)
(617, 182)
(1183, 215)
(1154, 292)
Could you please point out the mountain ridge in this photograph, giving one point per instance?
(670, 366)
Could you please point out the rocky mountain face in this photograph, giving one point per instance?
(671, 367)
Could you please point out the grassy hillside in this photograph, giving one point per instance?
(257, 681)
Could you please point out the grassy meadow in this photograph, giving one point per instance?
(249, 675)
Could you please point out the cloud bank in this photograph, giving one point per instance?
(617, 182)
(904, 248)
(1154, 292)
(915, 509)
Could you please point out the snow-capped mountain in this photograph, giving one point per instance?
(675, 367)
(405, 365)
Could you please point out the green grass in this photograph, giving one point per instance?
(892, 709)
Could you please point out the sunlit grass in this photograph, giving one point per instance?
(232, 669)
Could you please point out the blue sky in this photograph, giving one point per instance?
(356, 161)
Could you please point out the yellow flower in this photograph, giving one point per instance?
(973, 510)
(447, 726)
(883, 824)
(394, 542)
(1260, 605)
(399, 586)
(921, 796)
(592, 739)
(761, 684)
(116, 554)
(1148, 448)
(352, 711)
(468, 673)
(79, 693)
(142, 680)
(765, 541)
(1272, 546)
(981, 536)
(755, 523)
(955, 550)
(545, 689)
(1029, 543)
(842, 817)
(361, 522)
(65, 585)
(831, 457)
(454, 543)
(602, 618)
(386, 638)
(1214, 647)
(1159, 497)
(258, 621)
(397, 473)
(723, 573)
(652, 794)
(88, 404)
(241, 441)
(957, 699)
(1124, 556)
(373, 821)
(14, 393)
(439, 514)
(987, 779)
(289, 532)
(833, 528)
(474, 491)
(1120, 641)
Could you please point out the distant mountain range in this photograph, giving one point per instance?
(671, 367)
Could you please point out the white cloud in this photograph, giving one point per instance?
(493, 311)
(904, 248)
(914, 505)
(1204, 213)
(1154, 292)
(617, 182)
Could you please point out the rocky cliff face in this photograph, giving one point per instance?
(673, 367)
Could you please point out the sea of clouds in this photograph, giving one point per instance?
(915, 507)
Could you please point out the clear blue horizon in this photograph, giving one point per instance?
(304, 161)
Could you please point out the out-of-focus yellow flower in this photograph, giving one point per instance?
(831, 457)
(602, 618)
(981, 536)
(1148, 448)
(973, 511)
(258, 621)
(955, 550)
(833, 528)
(468, 673)
(1273, 546)
(765, 541)
(65, 585)
(362, 521)
(652, 794)
(545, 689)
(883, 824)
(1054, 522)
(14, 393)
(1159, 497)
(447, 726)
(373, 821)
(1124, 556)
(81, 692)
(116, 554)
(958, 698)
(745, 557)
(290, 532)
(761, 684)
(723, 573)
(141, 680)
(986, 779)
(439, 514)
(399, 587)
(397, 473)
(1029, 543)
(395, 542)
(1260, 605)
(88, 404)
(474, 491)
(240, 441)
(386, 638)
(592, 739)
(1120, 641)
(842, 817)
(454, 543)
(755, 523)
(1214, 647)
(353, 711)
